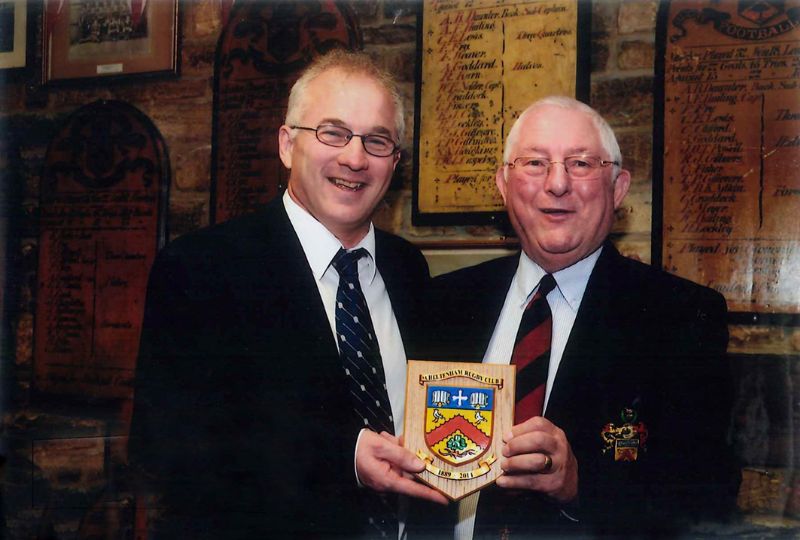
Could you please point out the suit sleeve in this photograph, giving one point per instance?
(159, 439)
(702, 479)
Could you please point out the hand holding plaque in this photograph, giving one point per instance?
(456, 415)
(386, 467)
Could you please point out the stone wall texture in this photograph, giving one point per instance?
(61, 476)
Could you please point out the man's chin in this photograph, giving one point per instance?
(554, 257)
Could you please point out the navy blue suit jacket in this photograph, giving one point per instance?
(643, 340)
(242, 419)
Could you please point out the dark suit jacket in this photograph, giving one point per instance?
(643, 340)
(242, 419)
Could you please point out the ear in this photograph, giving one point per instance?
(501, 180)
(621, 186)
(396, 159)
(285, 145)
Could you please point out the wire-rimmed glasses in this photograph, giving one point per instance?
(338, 136)
(577, 167)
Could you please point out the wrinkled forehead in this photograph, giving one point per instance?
(551, 129)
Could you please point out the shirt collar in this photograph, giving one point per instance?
(571, 281)
(320, 245)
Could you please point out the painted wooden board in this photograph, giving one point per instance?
(731, 149)
(263, 49)
(456, 414)
(102, 213)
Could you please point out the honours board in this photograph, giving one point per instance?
(730, 150)
(482, 63)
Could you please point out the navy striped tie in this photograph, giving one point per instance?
(358, 346)
(361, 359)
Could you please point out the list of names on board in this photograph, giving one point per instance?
(732, 151)
(100, 223)
(262, 51)
(483, 62)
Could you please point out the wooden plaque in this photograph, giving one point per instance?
(456, 414)
(482, 63)
(731, 148)
(262, 50)
(101, 218)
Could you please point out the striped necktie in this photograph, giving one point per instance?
(362, 363)
(532, 353)
(358, 346)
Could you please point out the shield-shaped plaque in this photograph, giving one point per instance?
(456, 413)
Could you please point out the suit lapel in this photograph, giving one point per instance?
(474, 303)
(399, 288)
(590, 345)
(293, 294)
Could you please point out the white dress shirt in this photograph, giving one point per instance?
(319, 246)
(564, 301)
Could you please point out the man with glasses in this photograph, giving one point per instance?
(622, 402)
(271, 382)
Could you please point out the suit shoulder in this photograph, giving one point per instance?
(391, 246)
(667, 287)
(237, 235)
(393, 241)
(489, 271)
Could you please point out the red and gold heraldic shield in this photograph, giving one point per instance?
(455, 415)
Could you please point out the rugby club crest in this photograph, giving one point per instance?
(458, 422)
(455, 415)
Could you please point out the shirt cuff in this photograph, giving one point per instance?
(355, 465)
(571, 518)
(571, 510)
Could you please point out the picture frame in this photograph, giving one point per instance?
(95, 39)
(13, 33)
(479, 64)
(723, 215)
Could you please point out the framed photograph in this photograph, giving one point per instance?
(13, 33)
(90, 39)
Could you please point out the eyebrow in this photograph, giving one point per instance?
(376, 130)
(577, 150)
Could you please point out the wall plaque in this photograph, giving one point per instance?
(482, 62)
(101, 222)
(261, 52)
(728, 172)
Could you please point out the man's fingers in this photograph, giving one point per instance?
(535, 423)
(421, 491)
(389, 437)
(527, 443)
(538, 463)
(522, 481)
(400, 457)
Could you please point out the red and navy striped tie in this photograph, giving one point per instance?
(532, 353)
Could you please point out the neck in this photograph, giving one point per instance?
(348, 236)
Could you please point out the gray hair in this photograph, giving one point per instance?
(607, 138)
(348, 62)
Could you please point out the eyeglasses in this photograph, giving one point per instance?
(338, 136)
(577, 167)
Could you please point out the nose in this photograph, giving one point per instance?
(353, 155)
(557, 181)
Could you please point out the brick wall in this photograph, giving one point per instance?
(64, 458)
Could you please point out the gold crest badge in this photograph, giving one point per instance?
(627, 439)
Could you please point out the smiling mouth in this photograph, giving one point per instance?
(555, 211)
(346, 185)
